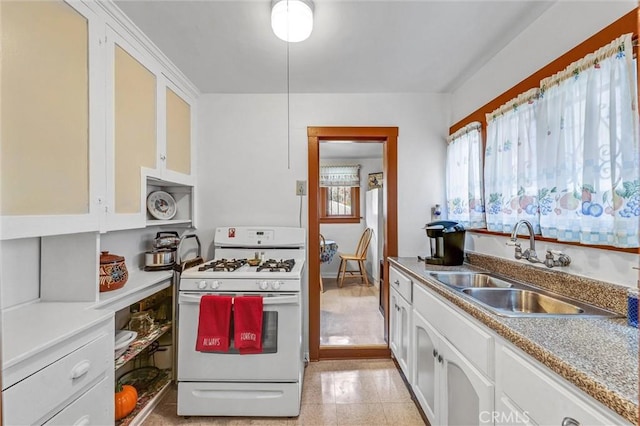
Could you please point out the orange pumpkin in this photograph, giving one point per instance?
(126, 399)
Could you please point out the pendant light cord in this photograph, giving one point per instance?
(288, 115)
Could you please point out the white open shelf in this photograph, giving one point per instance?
(183, 194)
(140, 284)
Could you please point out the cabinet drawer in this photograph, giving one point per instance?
(471, 341)
(57, 384)
(544, 398)
(95, 407)
(401, 283)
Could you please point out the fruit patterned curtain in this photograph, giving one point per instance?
(464, 177)
(511, 189)
(588, 153)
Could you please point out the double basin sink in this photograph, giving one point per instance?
(515, 299)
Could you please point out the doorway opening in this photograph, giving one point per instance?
(386, 137)
(351, 198)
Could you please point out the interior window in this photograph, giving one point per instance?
(339, 204)
(340, 193)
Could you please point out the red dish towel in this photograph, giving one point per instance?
(247, 317)
(214, 324)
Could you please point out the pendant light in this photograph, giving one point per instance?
(292, 20)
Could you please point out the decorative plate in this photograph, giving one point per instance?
(161, 205)
(123, 340)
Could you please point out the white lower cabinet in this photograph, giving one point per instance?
(528, 393)
(463, 373)
(426, 369)
(400, 320)
(399, 330)
(450, 390)
(90, 409)
(57, 369)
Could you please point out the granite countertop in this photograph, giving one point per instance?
(598, 355)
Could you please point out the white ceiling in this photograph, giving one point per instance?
(362, 46)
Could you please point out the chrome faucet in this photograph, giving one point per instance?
(530, 254)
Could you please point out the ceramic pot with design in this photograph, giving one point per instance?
(113, 272)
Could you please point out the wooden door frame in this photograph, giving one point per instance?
(388, 136)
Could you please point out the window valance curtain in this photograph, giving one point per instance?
(588, 150)
(348, 175)
(464, 177)
(510, 165)
(566, 156)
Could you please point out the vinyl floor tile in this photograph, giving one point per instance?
(356, 390)
(404, 413)
(344, 392)
(350, 315)
(360, 414)
(317, 414)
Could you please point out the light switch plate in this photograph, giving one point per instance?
(301, 187)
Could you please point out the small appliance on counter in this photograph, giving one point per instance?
(446, 239)
(163, 255)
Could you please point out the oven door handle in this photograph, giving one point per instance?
(276, 300)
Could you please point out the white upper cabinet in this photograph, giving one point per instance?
(131, 131)
(175, 147)
(51, 179)
(149, 136)
(93, 117)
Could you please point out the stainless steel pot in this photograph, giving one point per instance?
(166, 240)
(159, 259)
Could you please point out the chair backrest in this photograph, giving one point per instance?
(363, 244)
(323, 243)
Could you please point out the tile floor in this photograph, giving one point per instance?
(349, 315)
(348, 392)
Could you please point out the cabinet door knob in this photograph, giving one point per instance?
(80, 369)
(440, 359)
(163, 157)
(435, 353)
(83, 421)
(568, 421)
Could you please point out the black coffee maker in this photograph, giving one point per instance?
(446, 239)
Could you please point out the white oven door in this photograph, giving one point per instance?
(281, 343)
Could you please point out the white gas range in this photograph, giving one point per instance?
(230, 383)
(235, 274)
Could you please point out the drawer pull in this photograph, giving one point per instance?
(396, 282)
(568, 421)
(83, 421)
(80, 369)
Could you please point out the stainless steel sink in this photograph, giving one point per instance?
(470, 279)
(511, 298)
(515, 300)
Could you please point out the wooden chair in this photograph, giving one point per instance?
(323, 243)
(359, 256)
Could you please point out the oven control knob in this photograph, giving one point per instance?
(215, 284)
(263, 285)
(202, 284)
(276, 285)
